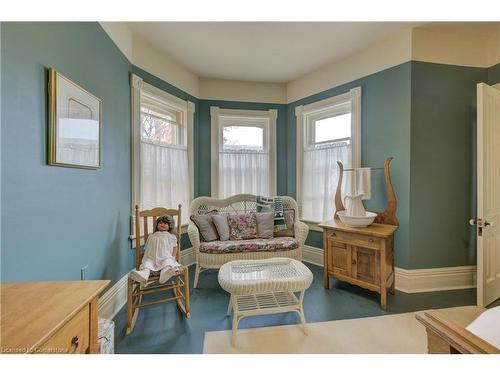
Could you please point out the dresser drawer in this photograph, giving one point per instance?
(71, 338)
(370, 242)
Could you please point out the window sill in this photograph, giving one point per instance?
(184, 228)
(313, 225)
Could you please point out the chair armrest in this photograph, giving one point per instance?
(194, 235)
(301, 230)
(457, 337)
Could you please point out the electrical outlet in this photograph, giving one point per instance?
(83, 272)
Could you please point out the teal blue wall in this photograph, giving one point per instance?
(56, 220)
(204, 146)
(443, 115)
(494, 74)
(424, 115)
(385, 128)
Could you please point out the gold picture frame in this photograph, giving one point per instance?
(75, 124)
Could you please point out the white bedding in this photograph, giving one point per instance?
(487, 326)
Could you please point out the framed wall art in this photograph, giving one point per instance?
(75, 124)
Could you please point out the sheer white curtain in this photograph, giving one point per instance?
(243, 172)
(164, 178)
(320, 177)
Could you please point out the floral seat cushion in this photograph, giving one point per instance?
(256, 244)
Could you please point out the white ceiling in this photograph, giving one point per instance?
(261, 51)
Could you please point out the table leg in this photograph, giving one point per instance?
(392, 288)
(383, 299)
(326, 281)
(383, 276)
(230, 306)
(236, 321)
(301, 312)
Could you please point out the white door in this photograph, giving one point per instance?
(488, 194)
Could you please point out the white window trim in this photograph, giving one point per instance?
(136, 85)
(303, 111)
(215, 113)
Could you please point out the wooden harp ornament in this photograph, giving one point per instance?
(388, 216)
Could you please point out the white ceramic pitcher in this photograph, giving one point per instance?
(354, 205)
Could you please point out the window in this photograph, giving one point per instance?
(243, 152)
(327, 131)
(160, 124)
(162, 152)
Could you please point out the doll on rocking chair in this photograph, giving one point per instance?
(158, 254)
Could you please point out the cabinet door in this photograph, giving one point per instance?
(340, 258)
(366, 265)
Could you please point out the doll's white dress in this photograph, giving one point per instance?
(158, 257)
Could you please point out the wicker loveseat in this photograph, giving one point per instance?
(212, 255)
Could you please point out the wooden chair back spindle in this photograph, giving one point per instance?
(178, 234)
(137, 237)
(146, 229)
(154, 214)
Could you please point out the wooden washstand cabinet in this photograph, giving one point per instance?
(362, 256)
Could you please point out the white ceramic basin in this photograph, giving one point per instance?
(357, 221)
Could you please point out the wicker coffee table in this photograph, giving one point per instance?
(265, 286)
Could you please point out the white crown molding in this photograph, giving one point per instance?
(413, 44)
(449, 48)
(234, 90)
(121, 35)
(390, 52)
(140, 53)
(494, 48)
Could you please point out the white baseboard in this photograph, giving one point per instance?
(435, 279)
(116, 297)
(417, 280)
(188, 256)
(313, 255)
(407, 281)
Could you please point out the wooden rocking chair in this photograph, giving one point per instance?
(178, 284)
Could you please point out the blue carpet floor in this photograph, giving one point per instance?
(162, 329)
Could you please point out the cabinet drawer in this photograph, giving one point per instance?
(356, 239)
(71, 338)
(334, 243)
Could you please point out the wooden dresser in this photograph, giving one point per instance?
(360, 256)
(50, 317)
